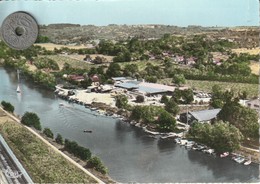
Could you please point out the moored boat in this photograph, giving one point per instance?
(225, 154)
(248, 161)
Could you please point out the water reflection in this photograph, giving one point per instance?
(224, 167)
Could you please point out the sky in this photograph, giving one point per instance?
(222, 13)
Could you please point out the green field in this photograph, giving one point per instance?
(141, 64)
(73, 62)
(43, 164)
(251, 89)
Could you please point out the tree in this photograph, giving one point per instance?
(178, 79)
(172, 107)
(187, 96)
(176, 96)
(121, 101)
(86, 82)
(114, 70)
(217, 97)
(48, 133)
(97, 164)
(130, 69)
(59, 139)
(221, 136)
(166, 122)
(139, 99)
(244, 118)
(7, 106)
(164, 99)
(31, 119)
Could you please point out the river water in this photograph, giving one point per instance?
(130, 154)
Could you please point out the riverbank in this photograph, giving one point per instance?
(124, 115)
(37, 153)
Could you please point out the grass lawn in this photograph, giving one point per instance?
(252, 89)
(43, 164)
(73, 62)
(141, 64)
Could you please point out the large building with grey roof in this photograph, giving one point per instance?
(204, 116)
(146, 88)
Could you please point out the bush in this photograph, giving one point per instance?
(7, 106)
(96, 163)
(78, 151)
(48, 133)
(31, 119)
(59, 139)
(139, 99)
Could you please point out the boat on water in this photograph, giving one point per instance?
(239, 159)
(225, 154)
(87, 131)
(18, 90)
(248, 161)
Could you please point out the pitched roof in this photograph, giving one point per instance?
(205, 115)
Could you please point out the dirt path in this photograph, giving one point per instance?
(54, 148)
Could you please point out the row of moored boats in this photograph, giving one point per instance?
(205, 149)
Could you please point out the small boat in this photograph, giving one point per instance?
(18, 90)
(225, 154)
(239, 159)
(248, 161)
(61, 104)
(183, 142)
(88, 131)
(177, 140)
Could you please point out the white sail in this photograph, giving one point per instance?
(18, 90)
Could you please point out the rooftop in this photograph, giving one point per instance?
(205, 115)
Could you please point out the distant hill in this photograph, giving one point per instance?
(246, 37)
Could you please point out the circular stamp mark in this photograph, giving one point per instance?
(19, 30)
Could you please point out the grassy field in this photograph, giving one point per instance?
(43, 164)
(51, 46)
(252, 89)
(73, 62)
(141, 64)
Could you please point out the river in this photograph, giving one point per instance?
(130, 154)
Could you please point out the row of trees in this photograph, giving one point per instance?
(32, 120)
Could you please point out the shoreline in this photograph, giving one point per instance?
(73, 160)
(115, 113)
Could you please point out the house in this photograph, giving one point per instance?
(76, 77)
(253, 104)
(204, 116)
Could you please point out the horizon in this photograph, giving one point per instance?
(181, 13)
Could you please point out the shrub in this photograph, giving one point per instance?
(78, 151)
(59, 139)
(7, 106)
(97, 164)
(48, 133)
(140, 98)
(31, 119)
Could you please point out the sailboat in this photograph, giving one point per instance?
(18, 90)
